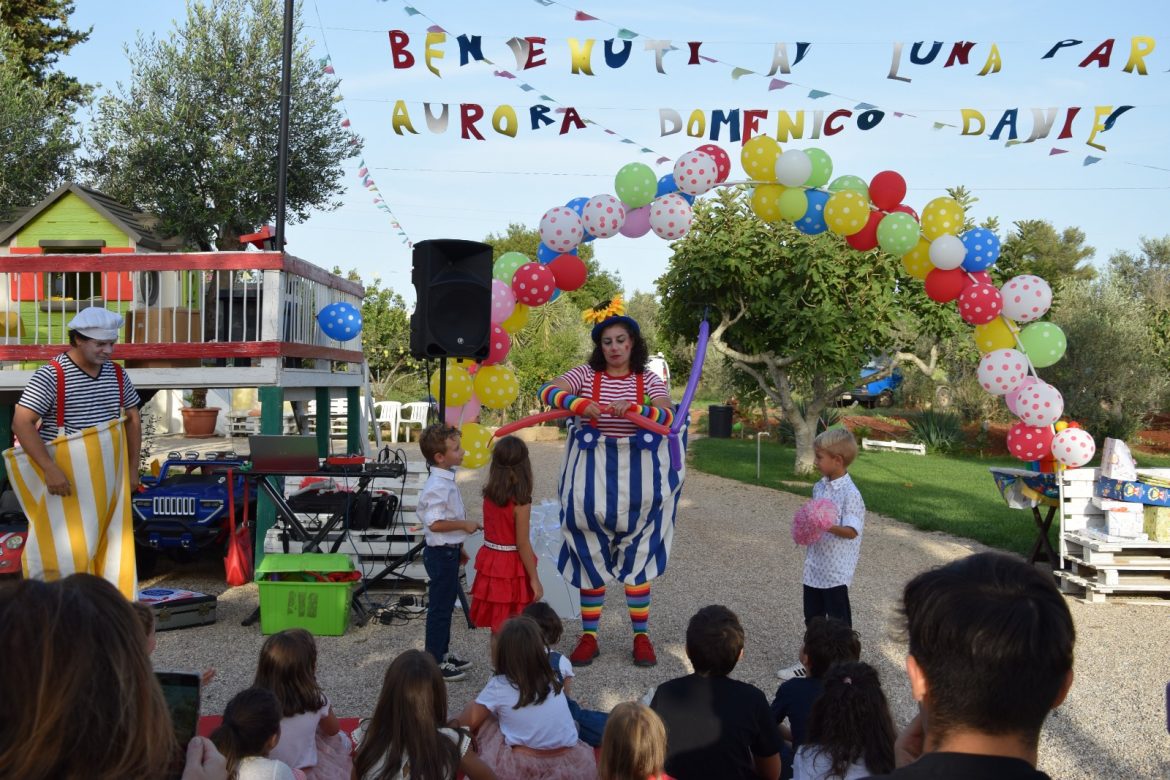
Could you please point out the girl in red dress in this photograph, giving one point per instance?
(505, 566)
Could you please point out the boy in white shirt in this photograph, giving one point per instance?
(444, 527)
(830, 561)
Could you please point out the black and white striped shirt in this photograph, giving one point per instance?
(89, 400)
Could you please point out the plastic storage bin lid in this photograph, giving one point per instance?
(319, 562)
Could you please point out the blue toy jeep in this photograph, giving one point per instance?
(185, 508)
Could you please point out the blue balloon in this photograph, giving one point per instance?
(544, 255)
(340, 321)
(666, 186)
(556, 294)
(982, 249)
(578, 205)
(813, 221)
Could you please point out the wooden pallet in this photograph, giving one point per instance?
(1143, 569)
(1093, 592)
(893, 446)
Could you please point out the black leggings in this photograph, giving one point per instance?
(827, 602)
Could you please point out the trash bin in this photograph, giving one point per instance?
(719, 421)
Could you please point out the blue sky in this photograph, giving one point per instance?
(440, 186)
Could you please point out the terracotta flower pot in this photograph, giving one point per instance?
(199, 423)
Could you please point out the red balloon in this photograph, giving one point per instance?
(945, 286)
(569, 271)
(498, 346)
(904, 209)
(533, 284)
(979, 304)
(887, 189)
(979, 277)
(866, 238)
(721, 158)
(1028, 442)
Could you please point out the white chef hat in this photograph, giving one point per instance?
(97, 323)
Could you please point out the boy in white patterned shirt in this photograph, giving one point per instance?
(830, 561)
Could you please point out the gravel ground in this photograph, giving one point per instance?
(732, 547)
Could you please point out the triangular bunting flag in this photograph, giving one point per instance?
(323, 61)
(939, 125)
(549, 99)
(345, 122)
(545, 3)
(581, 16)
(503, 74)
(864, 107)
(434, 28)
(627, 141)
(626, 35)
(738, 73)
(1090, 159)
(527, 87)
(778, 84)
(647, 150)
(411, 11)
(610, 132)
(661, 160)
(363, 170)
(816, 94)
(1054, 150)
(899, 114)
(329, 70)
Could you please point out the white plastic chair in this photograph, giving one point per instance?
(413, 413)
(388, 414)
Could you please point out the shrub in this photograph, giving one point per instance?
(940, 431)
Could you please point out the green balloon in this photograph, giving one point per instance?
(855, 183)
(506, 264)
(822, 167)
(1044, 343)
(635, 184)
(897, 233)
(793, 204)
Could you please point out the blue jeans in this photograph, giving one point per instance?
(442, 565)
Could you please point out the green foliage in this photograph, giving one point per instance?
(828, 417)
(1147, 277)
(1112, 375)
(1036, 248)
(194, 138)
(386, 342)
(939, 431)
(36, 35)
(553, 342)
(36, 141)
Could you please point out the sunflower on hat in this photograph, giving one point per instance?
(601, 312)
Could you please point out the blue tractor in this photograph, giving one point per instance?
(879, 392)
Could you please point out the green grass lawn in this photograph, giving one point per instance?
(934, 493)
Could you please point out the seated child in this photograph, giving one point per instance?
(716, 726)
(521, 718)
(590, 723)
(634, 745)
(850, 732)
(250, 729)
(827, 641)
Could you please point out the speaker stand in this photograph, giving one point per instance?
(443, 390)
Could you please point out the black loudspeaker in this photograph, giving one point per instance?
(453, 293)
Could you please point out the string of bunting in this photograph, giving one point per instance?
(363, 173)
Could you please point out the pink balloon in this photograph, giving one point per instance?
(637, 222)
(1012, 398)
(498, 346)
(1027, 442)
(503, 300)
(457, 415)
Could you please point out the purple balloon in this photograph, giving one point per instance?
(684, 406)
(637, 222)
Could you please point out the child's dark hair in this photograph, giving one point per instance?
(828, 641)
(410, 710)
(519, 654)
(994, 639)
(433, 440)
(851, 720)
(145, 616)
(547, 618)
(288, 668)
(714, 640)
(250, 720)
(510, 474)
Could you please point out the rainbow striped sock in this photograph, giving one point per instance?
(638, 602)
(591, 601)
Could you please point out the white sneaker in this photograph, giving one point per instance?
(794, 672)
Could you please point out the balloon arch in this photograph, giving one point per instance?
(795, 185)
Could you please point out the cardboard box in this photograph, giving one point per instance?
(1157, 523)
(163, 325)
(1128, 525)
(1133, 492)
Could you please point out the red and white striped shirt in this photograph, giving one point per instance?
(580, 381)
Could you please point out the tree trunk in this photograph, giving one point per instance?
(805, 433)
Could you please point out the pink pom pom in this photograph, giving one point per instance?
(811, 520)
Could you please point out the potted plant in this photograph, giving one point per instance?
(198, 420)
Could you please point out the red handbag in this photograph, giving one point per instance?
(237, 564)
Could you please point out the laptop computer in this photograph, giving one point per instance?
(284, 453)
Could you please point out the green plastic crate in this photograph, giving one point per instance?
(321, 608)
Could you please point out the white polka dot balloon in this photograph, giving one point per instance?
(533, 284)
(695, 173)
(947, 252)
(1011, 398)
(1026, 298)
(561, 229)
(1039, 404)
(603, 216)
(1073, 447)
(670, 216)
(1002, 371)
(979, 304)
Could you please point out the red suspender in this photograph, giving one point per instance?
(596, 393)
(638, 378)
(118, 372)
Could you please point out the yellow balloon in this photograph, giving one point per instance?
(496, 386)
(941, 217)
(846, 212)
(1060, 426)
(766, 201)
(759, 156)
(477, 445)
(997, 334)
(917, 260)
(459, 385)
(516, 320)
